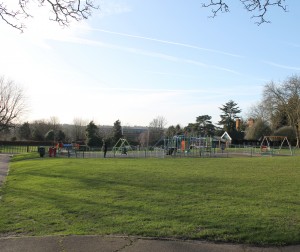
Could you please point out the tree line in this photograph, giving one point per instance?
(278, 113)
(52, 131)
(204, 127)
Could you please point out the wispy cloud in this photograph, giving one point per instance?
(211, 66)
(171, 74)
(282, 66)
(168, 42)
(110, 7)
(292, 44)
(209, 92)
(148, 53)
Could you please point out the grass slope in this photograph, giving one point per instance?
(248, 200)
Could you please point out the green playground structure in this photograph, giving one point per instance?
(121, 147)
(183, 145)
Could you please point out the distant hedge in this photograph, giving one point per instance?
(26, 143)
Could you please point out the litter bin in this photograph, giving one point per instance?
(41, 150)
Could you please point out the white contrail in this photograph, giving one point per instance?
(168, 42)
(282, 66)
(151, 54)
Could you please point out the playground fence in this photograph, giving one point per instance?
(160, 152)
(15, 149)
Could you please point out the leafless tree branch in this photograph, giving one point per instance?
(11, 17)
(63, 11)
(261, 7)
(285, 98)
(219, 6)
(12, 103)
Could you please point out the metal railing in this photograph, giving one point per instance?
(160, 152)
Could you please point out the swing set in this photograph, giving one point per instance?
(121, 147)
(275, 145)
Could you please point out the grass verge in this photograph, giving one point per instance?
(243, 200)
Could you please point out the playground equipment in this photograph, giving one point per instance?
(65, 149)
(52, 152)
(121, 147)
(182, 145)
(272, 145)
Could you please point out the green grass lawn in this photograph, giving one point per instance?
(245, 200)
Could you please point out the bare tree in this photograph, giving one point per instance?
(259, 129)
(12, 103)
(143, 138)
(39, 129)
(284, 98)
(156, 129)
(158, 123)
(63, 11)
(260, 7)
(55, 124)
(79, 133)
(259, 110)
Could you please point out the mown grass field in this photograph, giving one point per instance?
(243, 200)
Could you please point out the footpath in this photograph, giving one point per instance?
(88, 243)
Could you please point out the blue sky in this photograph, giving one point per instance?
(135, 60)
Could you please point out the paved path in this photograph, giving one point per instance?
(4, 159)
(89, 243)
(123, 244)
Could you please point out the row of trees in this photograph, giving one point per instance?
(204, 126)
(91, 134)
(52, 131)
(95, 137)
(278, 113)
(13, 105)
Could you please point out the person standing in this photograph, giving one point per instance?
(104, 147)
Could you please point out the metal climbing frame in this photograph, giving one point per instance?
(121, 147)
(188, 146)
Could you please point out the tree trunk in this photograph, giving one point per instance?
(297, 136)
